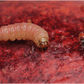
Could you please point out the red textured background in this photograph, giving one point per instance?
(62, 62)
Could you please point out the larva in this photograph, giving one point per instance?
(81, 38)
(25, 31)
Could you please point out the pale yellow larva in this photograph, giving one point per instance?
(25, 31)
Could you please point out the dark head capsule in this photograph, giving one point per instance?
(43, 43)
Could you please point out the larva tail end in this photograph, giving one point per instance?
(43, 43)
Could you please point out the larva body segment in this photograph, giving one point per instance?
(11, 34)
(25, 31)
(5, 35)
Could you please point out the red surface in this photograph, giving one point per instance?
(62, 62)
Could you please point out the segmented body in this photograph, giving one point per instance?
(25, 31)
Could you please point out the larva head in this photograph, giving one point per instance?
(81, 38)
(43, 43)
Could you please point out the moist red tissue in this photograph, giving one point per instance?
(63, 61)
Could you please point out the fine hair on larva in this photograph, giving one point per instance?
(25, 31)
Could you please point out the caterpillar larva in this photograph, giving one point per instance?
(25, 31)
(81, 38)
